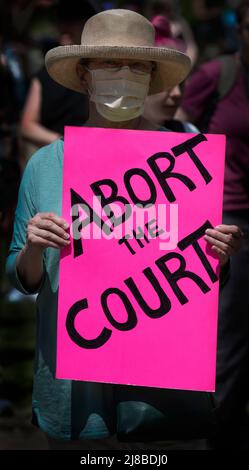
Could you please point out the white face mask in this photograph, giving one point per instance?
(119, 95)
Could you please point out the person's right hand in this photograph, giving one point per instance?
(47, 229)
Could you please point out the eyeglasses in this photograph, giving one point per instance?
(139, 68)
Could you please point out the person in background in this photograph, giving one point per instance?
(179, 27)
(216, 98)
(9, 158)
(164, 36)
(160, 108)
(49, 107)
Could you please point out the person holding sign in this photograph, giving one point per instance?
(117, 65)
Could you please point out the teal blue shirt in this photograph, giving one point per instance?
(64, 409)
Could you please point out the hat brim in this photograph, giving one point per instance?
(172, 66)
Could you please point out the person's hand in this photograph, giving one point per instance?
(47, 229)
(225, 240)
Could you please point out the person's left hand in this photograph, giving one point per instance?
(225, 240)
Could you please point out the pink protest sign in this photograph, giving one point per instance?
(138, 291)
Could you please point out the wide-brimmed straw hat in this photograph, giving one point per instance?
(118, 34)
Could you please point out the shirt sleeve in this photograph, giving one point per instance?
(26, 209)
(199, 88)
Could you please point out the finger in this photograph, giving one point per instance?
(55, 218)
(233, 229)
(51, 226)
(223, 257)
(227, 249)
(223, 237)
(218, 250)
(47, 235)
(38, 241)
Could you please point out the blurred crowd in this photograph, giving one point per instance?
(34, 110)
